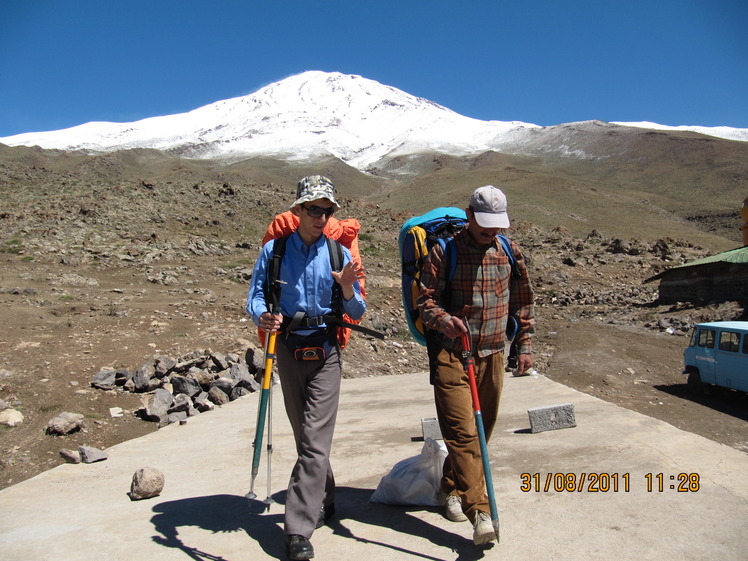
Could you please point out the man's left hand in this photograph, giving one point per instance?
(524, 363)
(348, 276)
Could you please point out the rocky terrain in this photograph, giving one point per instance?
(103, 270)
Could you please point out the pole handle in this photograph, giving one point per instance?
(470, 365)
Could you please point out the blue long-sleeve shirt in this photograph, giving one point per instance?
(307, 274)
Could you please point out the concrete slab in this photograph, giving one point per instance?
(551, 417)
(592, 492)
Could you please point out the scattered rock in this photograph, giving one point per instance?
(203, 403)
(182, 402)
(145, 378)
(237, 392)
(157, 404)
(174, 389)
(147, 482)
(11, 417)
(163, 365)
(218, 396)
(185, 385)
(65, 423)
(223, 383)
(74, 279)
(71, 456)
(90, 454)
(105, 380)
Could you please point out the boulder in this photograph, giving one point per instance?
(89, 454)
(11, 417)
(105, 380)
(218, 396)
(65, 423)
(185, 385)
(147, 482)
(157, 404)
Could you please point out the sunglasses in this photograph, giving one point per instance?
(317, 211)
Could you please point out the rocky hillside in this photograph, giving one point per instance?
(110, 261)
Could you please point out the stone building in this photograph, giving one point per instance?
(717, 278)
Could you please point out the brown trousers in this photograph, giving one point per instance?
(463, 467)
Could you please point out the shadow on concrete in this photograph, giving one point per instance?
(353, 504)
(233, 513)
(217, 514)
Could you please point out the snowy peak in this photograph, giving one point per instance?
(350, 117)
(311, 114)
(357, 120)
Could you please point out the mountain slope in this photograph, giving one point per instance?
(316, 114)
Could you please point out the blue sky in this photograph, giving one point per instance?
(546, 62)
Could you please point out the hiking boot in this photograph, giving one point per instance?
(299, 548)
(453, 511)
(483, 531)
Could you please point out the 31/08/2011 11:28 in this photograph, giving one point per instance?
(604, 482)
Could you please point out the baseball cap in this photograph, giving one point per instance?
(315, 187)
(488, 203)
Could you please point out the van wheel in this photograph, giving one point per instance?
(694, 383)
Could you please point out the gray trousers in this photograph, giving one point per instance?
(311, 391)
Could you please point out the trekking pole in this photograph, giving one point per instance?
(262, 410)
(467, 355)
(269, 499)
(265, 393)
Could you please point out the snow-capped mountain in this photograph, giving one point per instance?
(311, 114)
(357, 120)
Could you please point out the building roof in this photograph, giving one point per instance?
(735, 256)
(739, 255)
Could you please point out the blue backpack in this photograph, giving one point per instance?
(417, 236)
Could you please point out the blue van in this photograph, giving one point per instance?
(717, 355)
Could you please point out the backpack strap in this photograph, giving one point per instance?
(450, 255)
(335, 250)
(507, 245)
(272, 286)
(336, 254)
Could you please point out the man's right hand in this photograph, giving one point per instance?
(454, 328)
(270, 322)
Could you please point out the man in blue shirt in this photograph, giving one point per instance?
(311, 388)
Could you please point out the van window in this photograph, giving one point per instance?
(706, 338)
(729, 341)
(694, 338)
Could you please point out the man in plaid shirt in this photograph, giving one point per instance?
(484, 290)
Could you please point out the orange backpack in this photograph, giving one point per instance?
(344, 231)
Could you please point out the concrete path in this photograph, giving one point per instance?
(82, 512)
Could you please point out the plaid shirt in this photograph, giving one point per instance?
(482, 290)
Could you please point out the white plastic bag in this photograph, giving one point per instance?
(416, 480)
